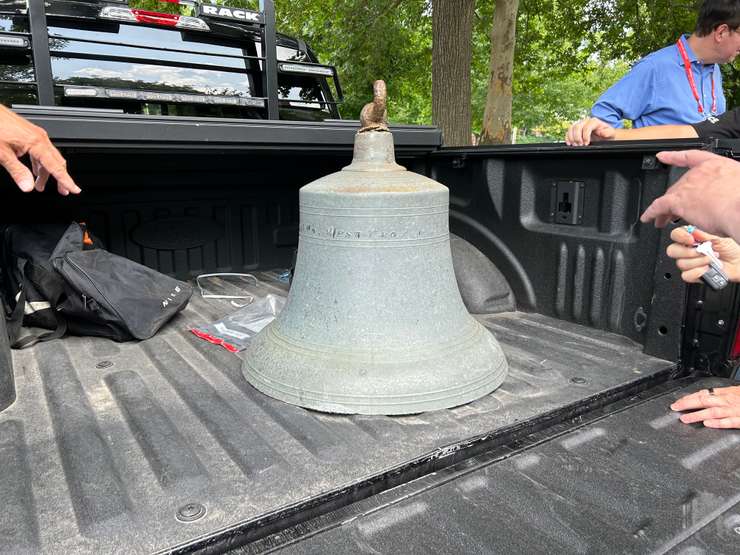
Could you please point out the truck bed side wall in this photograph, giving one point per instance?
(563, 227)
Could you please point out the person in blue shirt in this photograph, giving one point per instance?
(682, 83)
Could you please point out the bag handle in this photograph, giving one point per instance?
(14, 320)
(15, 323)
(32, 339)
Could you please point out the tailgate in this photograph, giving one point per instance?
(637, 481)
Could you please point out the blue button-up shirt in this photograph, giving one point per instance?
(656, 91)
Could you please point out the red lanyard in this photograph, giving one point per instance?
(692, 83)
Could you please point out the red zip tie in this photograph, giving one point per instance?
(215, 340)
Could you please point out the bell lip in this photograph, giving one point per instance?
(316, 393)
(382, 405)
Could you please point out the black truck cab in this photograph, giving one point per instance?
(160, 58)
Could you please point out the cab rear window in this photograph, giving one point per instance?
(124, 75)
(214, 73)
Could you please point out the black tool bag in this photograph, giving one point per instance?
(57, 277)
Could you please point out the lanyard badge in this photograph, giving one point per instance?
(692, 83)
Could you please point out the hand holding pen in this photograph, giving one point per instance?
(704, 257)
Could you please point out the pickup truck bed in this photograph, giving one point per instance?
(106, 441)
(162, 446)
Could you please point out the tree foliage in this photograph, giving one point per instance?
(368, 40)
(567, 52)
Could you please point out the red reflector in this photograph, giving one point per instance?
(155, 18)
(735, 352)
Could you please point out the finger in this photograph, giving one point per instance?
(677, 405)
(604, 131)
(694, 395)
(663, 210)
(713, 413)
(569, 136)
(686, 264)
(18, 172)
(52, 160)
(694, 276)
(578, 132)
(726, 423)
(729, 391)
(699, 400)
(702, 236)
(41, 174)
(680, 235)
(575, 133)
(686, 158)
(677, 251)
(587, 130)
(61, 189)
(41, 179)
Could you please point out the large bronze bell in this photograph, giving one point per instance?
(374, 322)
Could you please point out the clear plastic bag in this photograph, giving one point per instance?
(235, 331)
(222, 280)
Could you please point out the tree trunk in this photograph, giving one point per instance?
(497, 117)
(452, 47)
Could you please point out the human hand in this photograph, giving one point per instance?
(581, 133)
(693, 264)
(716, 408)
(19, 137)
(707, 195)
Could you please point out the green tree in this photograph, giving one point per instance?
(368, 40)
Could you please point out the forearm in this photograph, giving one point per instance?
(656, 132)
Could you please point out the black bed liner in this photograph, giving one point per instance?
(106, 442)
(636, 481)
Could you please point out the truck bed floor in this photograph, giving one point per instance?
(107, 442)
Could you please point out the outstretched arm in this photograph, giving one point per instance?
(586, 131)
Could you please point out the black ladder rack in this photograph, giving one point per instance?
(269, 65)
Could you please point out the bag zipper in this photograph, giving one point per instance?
(102, 295)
